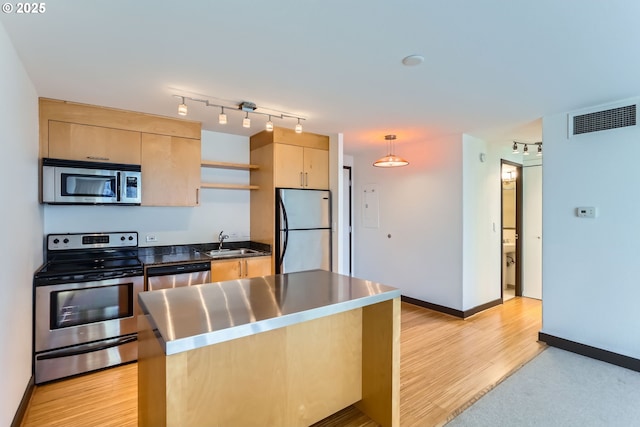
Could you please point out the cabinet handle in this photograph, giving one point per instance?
(97, 158)
(197, 196)
(306, 179)
(301, 180)
(240, 269)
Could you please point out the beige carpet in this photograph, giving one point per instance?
(559, 388)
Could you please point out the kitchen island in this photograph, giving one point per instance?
(281, 350)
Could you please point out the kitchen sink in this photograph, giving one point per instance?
(223, 253)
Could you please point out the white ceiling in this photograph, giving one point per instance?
(492, 68)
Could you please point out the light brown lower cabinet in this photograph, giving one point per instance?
(240, 268)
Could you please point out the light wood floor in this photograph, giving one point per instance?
(446, 364)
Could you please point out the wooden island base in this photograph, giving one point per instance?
(291, 376)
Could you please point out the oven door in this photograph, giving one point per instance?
(77, 313)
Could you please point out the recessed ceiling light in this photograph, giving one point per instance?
(412, 60)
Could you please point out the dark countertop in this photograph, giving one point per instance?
(155, 255)
(190, 317)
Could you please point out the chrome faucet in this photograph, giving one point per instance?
(221, 238)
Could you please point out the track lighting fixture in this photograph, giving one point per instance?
(182, 108)
(525, 149)
(222, 117)
(244, 106)
(390, 160)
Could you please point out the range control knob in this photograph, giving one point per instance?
(65, 241)
(56, 241)
(130, 237)
(122, 238)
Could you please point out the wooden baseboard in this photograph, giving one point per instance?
(451, 311)
(592, 352)
(24, 403)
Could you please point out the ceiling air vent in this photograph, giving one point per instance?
(612, 118)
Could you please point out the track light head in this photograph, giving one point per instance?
(246, 122)
(515, 147)
(222, 117)
(525, 151)
(298, 127)
(182, 108)
(269, 125)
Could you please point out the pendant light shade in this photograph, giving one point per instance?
(390, 160)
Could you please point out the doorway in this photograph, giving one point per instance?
(511, 213)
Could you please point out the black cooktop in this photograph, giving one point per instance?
(89, 265)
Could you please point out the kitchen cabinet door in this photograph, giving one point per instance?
(258, 266)
(170, 170)
(288, 166)
(316, 169)
(301, 167)
(222, 270)
(73, 141)
(240, 268)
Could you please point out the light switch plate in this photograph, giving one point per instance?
(587, 211)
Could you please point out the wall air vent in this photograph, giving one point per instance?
(595, 121)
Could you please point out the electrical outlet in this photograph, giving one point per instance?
(587, 212)
(151, 238)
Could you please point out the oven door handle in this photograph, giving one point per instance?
(87, 348)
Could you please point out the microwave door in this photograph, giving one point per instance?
(86, 185)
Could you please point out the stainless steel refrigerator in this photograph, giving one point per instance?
(303, 224)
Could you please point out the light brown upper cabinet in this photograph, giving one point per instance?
(167, 149)
(170, 170)
(299, 160)
(301, 167)
(93, 143)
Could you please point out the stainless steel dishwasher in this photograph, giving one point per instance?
(177, 275)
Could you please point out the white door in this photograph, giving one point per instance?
(532, 232)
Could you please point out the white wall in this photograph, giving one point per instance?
(590, 266)
(219, 210)
(20, 228)
(481, 223)
(420, 206)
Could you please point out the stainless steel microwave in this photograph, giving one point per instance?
(74, 182)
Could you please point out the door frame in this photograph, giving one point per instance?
(518, 230)
(349, 220)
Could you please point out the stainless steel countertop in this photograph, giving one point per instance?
(196, 316)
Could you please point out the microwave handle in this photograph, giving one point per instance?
(119, 184)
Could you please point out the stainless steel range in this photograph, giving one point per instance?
(86, 302)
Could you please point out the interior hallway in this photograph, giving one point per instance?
(446, 364)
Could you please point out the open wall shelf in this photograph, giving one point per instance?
(228, 165)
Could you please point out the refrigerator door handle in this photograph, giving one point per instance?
(286, 232)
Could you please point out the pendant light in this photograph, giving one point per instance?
(390, 160)
(246, 122)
